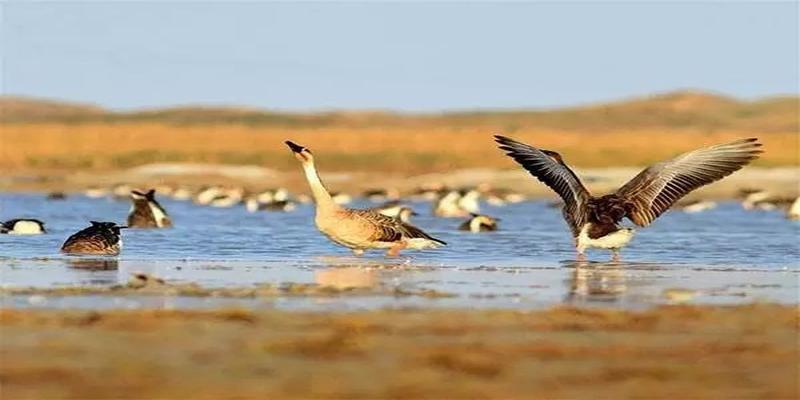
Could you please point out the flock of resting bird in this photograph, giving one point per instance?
(595, 221)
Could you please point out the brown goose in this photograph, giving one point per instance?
(102, 238)
(146, 212)
(595, 221)
(358, 230)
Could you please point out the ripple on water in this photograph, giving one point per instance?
(719, 255)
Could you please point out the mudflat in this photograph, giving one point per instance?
(677, 351)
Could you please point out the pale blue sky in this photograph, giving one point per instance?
(405, 56)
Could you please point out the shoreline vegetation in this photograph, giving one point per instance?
(43, 135)
(48, 145)
(563, 352)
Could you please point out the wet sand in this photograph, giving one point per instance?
(564, 352)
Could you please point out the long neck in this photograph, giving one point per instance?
(321, 195)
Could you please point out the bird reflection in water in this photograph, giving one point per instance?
(94, 264)
(347, 278)
(360, 275)
(596, 281)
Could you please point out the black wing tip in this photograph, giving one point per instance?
(504, 139)
(752, 141)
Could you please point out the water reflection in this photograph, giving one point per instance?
(94, 264)
(596, 281)
(347, 277)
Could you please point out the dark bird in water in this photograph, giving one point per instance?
(479, 223)
(23, 226)
(56, 196)
(146, 212)
(595, 221)
(102, 238)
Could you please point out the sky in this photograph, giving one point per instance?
(414, 56)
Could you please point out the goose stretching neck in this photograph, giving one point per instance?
(358, 230)
(595, 221)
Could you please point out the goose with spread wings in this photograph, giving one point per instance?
(358, 230)
(595, 221)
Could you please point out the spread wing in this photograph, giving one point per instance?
(659, 186)
(548, 167)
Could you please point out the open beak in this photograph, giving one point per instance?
(294, 146)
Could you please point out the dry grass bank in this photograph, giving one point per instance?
(403, 150)
(668, 352)
(42, 135)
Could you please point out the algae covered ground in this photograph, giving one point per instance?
(563, 352)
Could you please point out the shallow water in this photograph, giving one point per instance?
(725, 255)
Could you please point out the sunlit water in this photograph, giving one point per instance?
(725, 255)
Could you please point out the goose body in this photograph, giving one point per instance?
(397, 210)
(794, 211)
(596, 221)
(56, 196)
(469, 201)
(254, 205)
(95, 192)
(121, 191)
(447, 205)
(181, 194)
(358, 230)
(23, 226)
(146, 212)
(102, 238)
(698, 206)
(205, 196)
(378, 195)
(479, 223)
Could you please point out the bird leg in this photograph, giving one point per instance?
(615, 255)
(394, 251)
(579, 250)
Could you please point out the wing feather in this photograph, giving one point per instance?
(549, 168)
(388, 229)
(654, 190)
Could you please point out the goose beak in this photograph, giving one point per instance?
(294, 146)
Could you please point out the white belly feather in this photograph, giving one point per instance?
(26, 228)
(158, 215)
(614, 240)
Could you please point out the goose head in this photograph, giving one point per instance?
(301, 153)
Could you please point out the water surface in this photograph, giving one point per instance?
(725, 255)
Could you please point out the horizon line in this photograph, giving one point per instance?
(245, 107)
